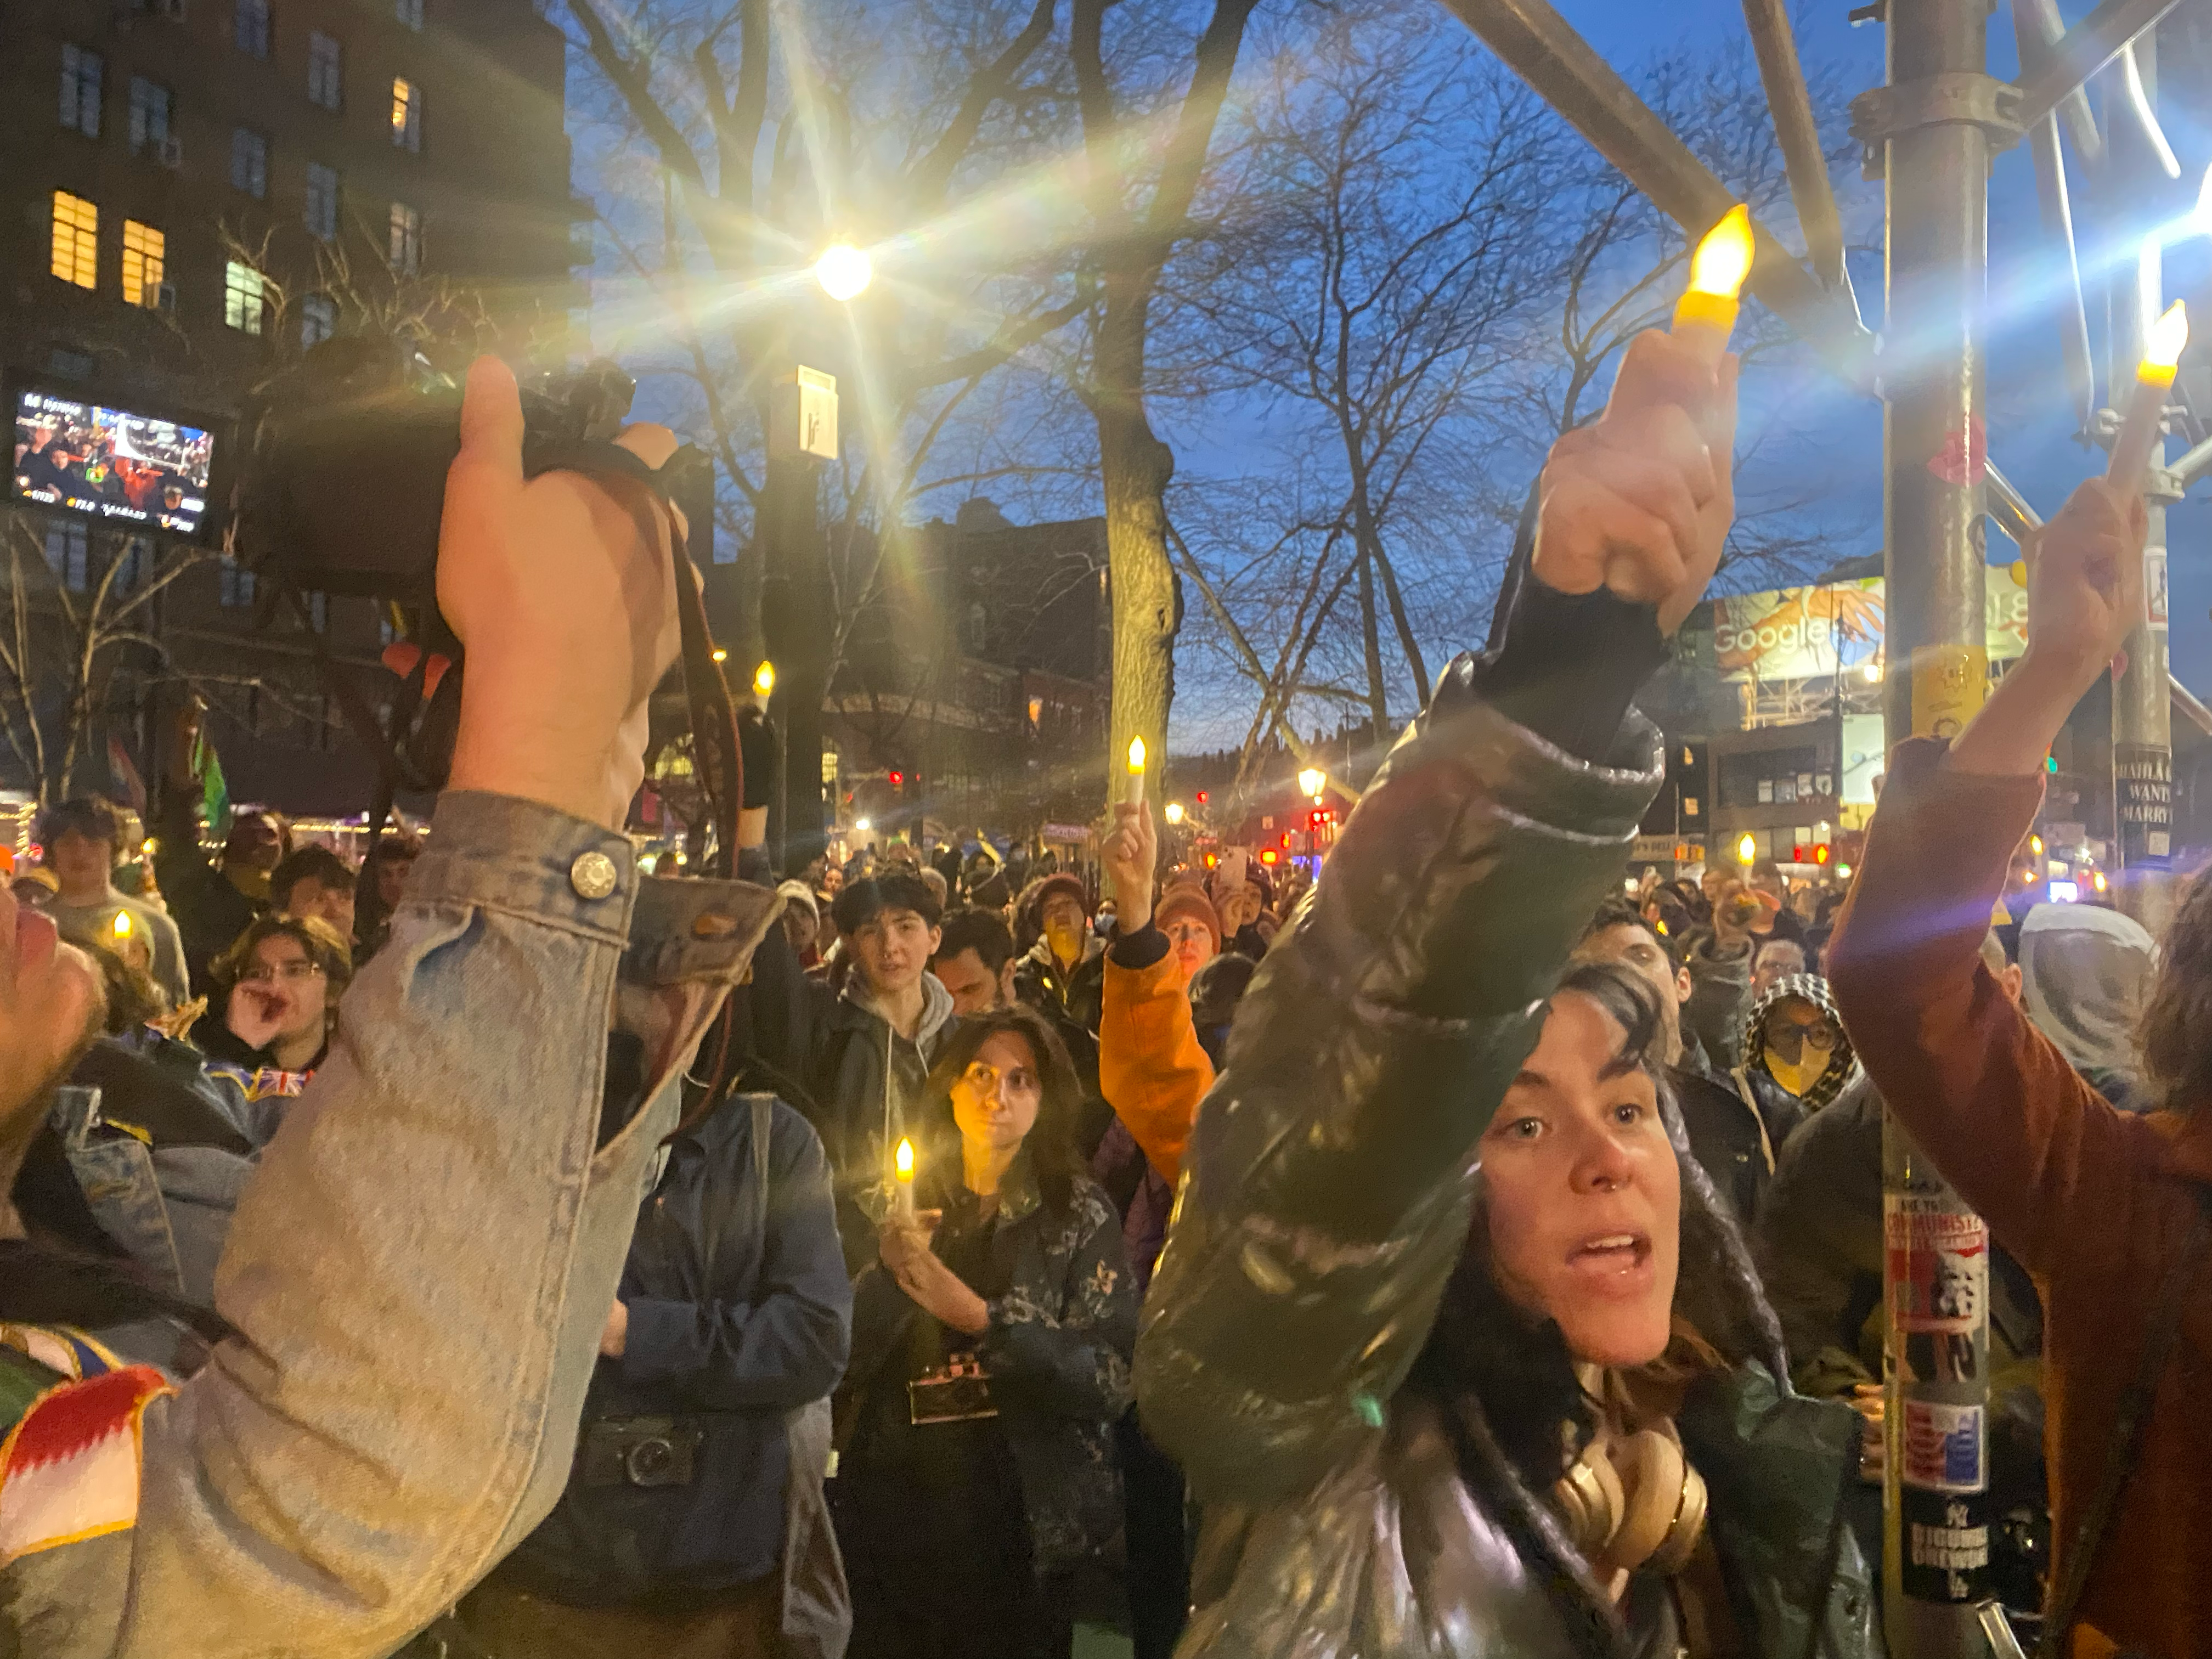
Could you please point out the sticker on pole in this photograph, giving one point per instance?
(1938, 1267)
(1947, 1545)
(1943, 1448)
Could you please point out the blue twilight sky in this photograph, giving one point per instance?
(2030, 429)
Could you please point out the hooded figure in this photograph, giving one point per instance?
(2083, 974)
(1796, 1057)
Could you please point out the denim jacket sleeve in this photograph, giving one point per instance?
(1328, 1187)
(421, 1270)
(787, 1346)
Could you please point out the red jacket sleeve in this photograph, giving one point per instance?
(2048, 1163)
(1150, 1067)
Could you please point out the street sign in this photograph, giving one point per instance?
(803, 417)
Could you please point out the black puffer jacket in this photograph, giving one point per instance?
(1328, 1200)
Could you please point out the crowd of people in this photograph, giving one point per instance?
(1471, 1254)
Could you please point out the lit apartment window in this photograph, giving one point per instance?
(319, 320)
(142, 264)
(76, 240)
(324, 78)
(406, 114)
(237, 582)
(245, 297)
(150, 115)
(322, 215)
(406, 239)
(80, 91)
(250, 27)
(249, 161)
(69, 552)
(410, 12)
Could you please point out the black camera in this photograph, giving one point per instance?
(639, 1451)
(343, 481)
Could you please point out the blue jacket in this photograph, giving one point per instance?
(724, 1337)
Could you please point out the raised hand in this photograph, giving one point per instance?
(562, 588)
(2085, 592)
(2085, 581)
(1131, 854)
(1640, 500)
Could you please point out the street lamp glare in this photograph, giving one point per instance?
(844, 271)
(863, 825)
(1175, 811)
(1312, 780)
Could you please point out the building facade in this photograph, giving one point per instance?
(194, 191)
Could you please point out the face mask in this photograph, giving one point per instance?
(1797, 1076)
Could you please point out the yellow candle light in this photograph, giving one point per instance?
(903, 1189)
(764, 679)
(121, 926)
(1705, 314)
(2139, 433)
(1133, 792)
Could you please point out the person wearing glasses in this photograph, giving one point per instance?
(990, 1361)
(285, 975)
(1795, 1056)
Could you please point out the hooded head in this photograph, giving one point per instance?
(1794, 1034)
(2084, 975)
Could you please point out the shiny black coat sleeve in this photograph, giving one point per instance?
(1328, 1189)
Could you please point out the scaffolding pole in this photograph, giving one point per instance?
(1933, 124)
(2142, 715)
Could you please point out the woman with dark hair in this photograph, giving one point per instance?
(990, 1360)
(1455, 1342)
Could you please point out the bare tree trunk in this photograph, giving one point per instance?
(1134, 466)
(1371, 642)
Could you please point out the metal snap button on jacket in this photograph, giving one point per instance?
(593, 875)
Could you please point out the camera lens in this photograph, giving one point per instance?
(651, 1462)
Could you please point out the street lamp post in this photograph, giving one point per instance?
(795, 595)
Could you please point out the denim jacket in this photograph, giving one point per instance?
(420, 1271)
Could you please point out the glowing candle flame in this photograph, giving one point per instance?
(122, 924)
(1724, 257)
(2168, 335)
(905, 1160)
(1136, 757)
(764, 679)
(1747, 849)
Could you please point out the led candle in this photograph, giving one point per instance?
(2139, 433)
(903, 1188)
(1705, 314)
(1132, 791)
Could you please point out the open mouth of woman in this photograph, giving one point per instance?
(1616, 1259)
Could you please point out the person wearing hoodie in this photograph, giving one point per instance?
(1063, 967)
(874, 1041)
(2084, 974)
(1796, 1055)
(1452, 1335)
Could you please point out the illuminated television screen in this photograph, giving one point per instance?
(112, 463)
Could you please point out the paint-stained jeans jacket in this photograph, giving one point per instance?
(420, 1270)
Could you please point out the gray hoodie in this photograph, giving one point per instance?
(2084, 972)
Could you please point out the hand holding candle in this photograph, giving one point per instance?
(1133, 792)
(1705, 314)
(2139, 432)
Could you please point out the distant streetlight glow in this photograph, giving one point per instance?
(721, 655)
(863, 825)
(1175, 811)
(1312, 781)
(844, 271)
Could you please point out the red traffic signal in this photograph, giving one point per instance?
(898, 779)
(1201, 798)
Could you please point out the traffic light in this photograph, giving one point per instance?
(1201, 798)
(1820, 854)
(898, 779)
